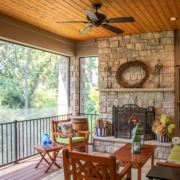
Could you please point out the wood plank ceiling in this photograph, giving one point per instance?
(149, 15)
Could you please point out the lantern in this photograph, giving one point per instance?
(140, 133)
(136, 144)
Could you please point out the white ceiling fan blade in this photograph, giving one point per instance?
(91, 14)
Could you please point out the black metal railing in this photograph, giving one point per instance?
(17, 137)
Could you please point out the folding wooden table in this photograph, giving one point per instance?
(51, 151)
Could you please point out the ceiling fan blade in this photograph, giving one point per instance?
(119, 20)
(69, 22)
(91, 14)
(112, 28)
(87, 29)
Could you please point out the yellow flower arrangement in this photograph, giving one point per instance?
(163, 126)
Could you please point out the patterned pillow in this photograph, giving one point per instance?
(176, 140)
(66, 128)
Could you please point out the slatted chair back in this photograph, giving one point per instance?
(84, 166)
(55, 128)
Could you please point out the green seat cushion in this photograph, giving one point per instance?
(176, 148)
(65, 140)
(174, 156)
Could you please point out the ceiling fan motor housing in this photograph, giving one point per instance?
(97, 23)
(96, 6)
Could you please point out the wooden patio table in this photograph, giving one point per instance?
(125, 156)
(46, 150)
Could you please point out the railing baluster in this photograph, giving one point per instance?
(15, 142)
(37, 132)
(33, 134)
(40, 132)
(6, 139)
(2, 149)
(26, 139)
(23, 126)
(20, 137)
(11, 129)
(30, 134)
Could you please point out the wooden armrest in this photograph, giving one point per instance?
(168, 164)
(60, 134)
(56, 133)
(126, 169)
(82, 132)
(86, 133)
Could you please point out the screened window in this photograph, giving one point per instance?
(33, 83)
(89, 96)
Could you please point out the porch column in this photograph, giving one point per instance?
(74, 86)
(63, 86)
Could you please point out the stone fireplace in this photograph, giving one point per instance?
(124, 119)
(148, 48)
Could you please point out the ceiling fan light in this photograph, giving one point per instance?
(84, 31)
(173, 19)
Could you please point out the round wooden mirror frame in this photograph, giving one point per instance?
(127, 65)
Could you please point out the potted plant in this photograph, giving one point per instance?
(163, 128)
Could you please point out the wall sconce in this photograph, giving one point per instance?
(108, 70)
(158, 68)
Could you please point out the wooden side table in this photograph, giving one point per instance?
(125, 156)
(43, 150)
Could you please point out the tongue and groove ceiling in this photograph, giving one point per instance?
(149, 15)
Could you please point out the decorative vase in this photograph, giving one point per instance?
(164, 138)
(45, 139)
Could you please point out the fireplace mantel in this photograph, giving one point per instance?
(138, 89)
(110, 144)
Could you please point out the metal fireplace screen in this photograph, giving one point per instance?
(126, 117)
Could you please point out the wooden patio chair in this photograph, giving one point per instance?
(168, 164)
(174, 157)
(85, 166)
(68, 140)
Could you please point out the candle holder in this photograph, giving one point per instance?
(108, 70)
(158, 68)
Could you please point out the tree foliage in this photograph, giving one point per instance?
(43, 70)
(91, 84)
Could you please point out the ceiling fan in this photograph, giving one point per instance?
(97, 19)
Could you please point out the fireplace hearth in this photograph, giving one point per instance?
(126, 117)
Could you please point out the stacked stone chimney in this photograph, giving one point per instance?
(147, 47)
